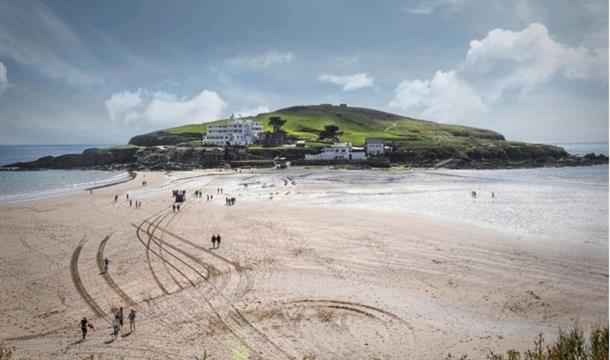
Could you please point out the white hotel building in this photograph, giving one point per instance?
(238, 132)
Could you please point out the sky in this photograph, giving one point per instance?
(99, 72)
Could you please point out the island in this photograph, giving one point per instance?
(317, 135)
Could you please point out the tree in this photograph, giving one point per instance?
(277, 123)
(330, 132)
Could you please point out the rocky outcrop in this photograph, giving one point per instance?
(571, 160)
(157, 138)
(90, 158)
(166, 158)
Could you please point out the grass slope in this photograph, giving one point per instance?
(407, 134)
(357, 124)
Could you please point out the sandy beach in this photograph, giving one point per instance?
(291, 277)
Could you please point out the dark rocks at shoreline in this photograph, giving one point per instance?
(93, 158)
(157, 138)
(184, 158)
(570, 160)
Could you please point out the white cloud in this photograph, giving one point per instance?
(429, 6)
(503, 61)
(349, 82)
(122, 106)
(442, 98)
(530, 57)
(253, 111)
(4, 83)
(261, 61)
(163, 108)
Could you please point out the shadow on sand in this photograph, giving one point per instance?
(77, 342)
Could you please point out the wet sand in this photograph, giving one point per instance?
(289, 279)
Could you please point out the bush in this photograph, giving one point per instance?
(570, 345)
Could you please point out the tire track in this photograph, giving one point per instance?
(202, 248)
(148, 232)
(108, 278)
(79, 284)
(146, 245)
(233, 319)
(349, 306)
(169, 272)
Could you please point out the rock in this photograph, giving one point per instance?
(157, 138)
(90, 158)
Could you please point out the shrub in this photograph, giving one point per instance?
(570, 345)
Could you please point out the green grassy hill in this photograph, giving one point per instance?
(414, 141)
(357, 124)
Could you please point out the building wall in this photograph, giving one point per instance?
(339, 151)
(237, 132)
(375, 148)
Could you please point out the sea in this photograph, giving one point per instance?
(17, 186)
(550, 204)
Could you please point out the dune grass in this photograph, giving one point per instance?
(569, 345)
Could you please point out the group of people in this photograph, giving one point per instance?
(230, 201)
(473, 194)
(198, 194)
(216, 241)
(176, 207)
(219, 191)
(131, 201)
(179, 195)
(117, 323)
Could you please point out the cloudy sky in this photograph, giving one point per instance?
(101, 72)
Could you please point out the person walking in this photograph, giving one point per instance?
(83, 327)
(116, 326)
(213, 241)
(106, 262)
(130, 203)
(132, 320)
(174, 208)
(120, 316)
(217, 241)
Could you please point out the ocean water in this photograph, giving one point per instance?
(581, 149)
(568, 204)
(27, 185)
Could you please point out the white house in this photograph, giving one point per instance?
(375, 147)
(238, 132)
(338, 151)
